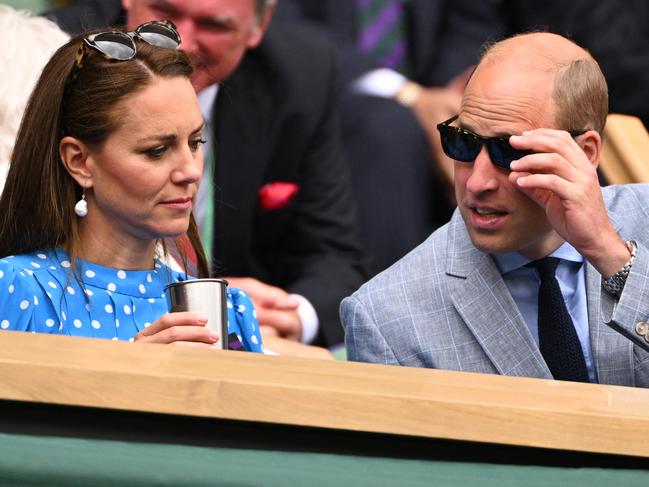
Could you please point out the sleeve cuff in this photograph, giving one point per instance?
(308, 317)
(381, 82)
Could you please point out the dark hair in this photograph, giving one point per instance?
(37, 205)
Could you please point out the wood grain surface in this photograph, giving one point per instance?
(324, 393)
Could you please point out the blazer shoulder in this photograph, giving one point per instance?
(627, 203)
(295, 54)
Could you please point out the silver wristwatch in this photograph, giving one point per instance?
(615, 283)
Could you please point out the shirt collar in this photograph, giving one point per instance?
(511, 261)
(206, 100)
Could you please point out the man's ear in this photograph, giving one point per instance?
(75, 156)
(262, 25)
(591, 143)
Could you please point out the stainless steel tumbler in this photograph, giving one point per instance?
(204, 296)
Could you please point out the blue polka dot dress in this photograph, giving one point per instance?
(40, 293)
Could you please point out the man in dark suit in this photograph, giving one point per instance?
(279, 200)
(401, 177)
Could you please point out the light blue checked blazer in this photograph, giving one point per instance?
(446, 306)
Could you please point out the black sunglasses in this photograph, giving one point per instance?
(120, 46)
(464, 146)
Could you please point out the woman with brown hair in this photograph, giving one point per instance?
(105, 169)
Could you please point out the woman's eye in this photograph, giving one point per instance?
(195, 144)
(156, 152)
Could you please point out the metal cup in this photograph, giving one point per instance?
(206, 297)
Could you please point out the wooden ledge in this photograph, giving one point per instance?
(324, 393)
(625, 150)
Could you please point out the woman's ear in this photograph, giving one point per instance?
(591, 143)
(75, 156)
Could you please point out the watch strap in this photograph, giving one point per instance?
(615, 284)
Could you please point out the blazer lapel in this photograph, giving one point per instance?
(612, 352)
(488, 310)
(241, 117)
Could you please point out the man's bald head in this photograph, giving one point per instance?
(579, 90)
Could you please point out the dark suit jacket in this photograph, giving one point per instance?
(275, 122)
(444, 37)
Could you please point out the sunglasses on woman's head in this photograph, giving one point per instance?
(464, 146)
(120, 46)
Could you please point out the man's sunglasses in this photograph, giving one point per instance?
(120, 46)
(464, 146)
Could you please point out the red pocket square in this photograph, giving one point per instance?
(273, 196)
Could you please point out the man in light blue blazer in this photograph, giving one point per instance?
(465, 299)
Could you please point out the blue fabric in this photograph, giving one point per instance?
(40, 293)
(523, 284)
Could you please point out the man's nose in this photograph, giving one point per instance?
(484, 175)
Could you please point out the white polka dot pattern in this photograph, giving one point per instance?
(41, 291)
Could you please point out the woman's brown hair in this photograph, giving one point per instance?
(37, 205)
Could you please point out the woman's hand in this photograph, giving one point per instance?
(181, 328)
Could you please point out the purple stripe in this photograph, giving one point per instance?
(372, 33)
(395, 57)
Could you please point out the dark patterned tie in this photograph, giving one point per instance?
(558, 338)
(381, 32)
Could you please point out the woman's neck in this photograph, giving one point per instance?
(114, 249)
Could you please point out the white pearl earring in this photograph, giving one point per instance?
(81, 208)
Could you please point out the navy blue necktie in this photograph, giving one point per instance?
(558, 338)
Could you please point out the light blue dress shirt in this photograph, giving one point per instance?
(523, 284)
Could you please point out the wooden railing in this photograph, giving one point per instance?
(324, 394)
(625, 150)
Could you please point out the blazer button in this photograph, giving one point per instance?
(641, 328)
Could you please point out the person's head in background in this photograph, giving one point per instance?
(27, 44)
(526, 82)
(125, 135)
(215, 33)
